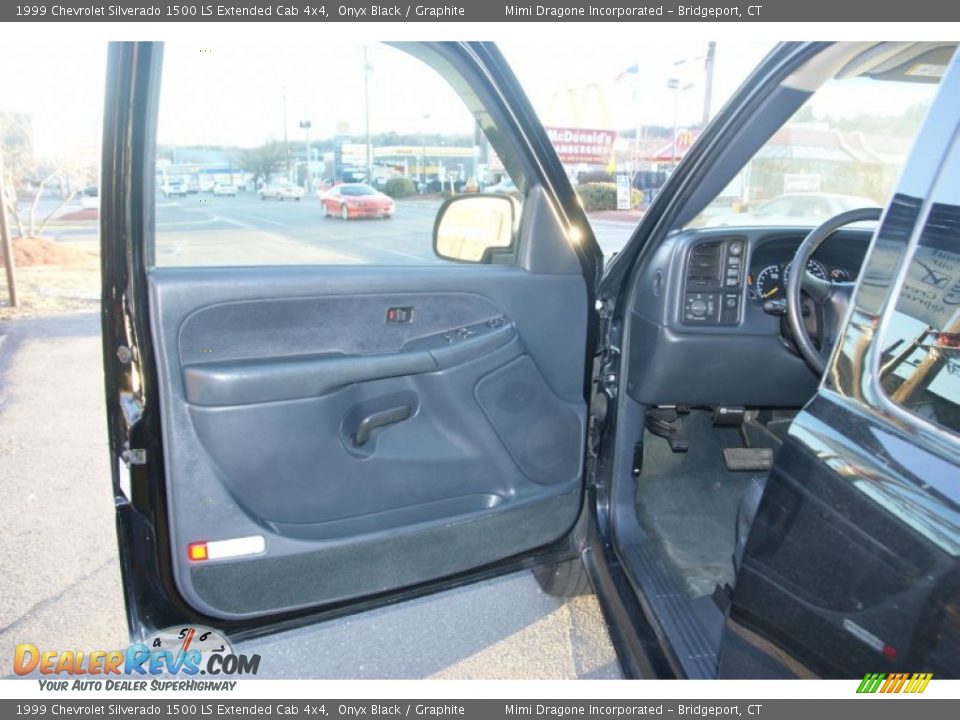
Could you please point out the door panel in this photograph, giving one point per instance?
(369, 455)
(306, 411)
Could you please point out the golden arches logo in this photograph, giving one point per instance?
(578, 98)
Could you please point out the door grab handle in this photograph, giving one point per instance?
(378, 420)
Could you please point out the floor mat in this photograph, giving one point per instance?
(688, 501)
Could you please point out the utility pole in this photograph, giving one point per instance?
(5, 240)
(477, 135)
(366, 113)
(674, 84)
(308, 175)
(423, 152)
(286, 143)
(708, 84)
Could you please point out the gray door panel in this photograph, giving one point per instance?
(368, 455)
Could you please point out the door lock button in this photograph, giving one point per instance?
(399, 315)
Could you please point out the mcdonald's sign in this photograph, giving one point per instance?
(894, 683)
(573, 132)
(582, 145)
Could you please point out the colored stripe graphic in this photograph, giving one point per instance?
(894, 683)
(919, 682)
(870, 683)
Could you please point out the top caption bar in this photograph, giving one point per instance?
(483, 11)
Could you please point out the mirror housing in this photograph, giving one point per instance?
(469, 227)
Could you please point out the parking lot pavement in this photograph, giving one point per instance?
(205, 230)
(61, 580)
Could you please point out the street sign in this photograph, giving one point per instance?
(623, 192)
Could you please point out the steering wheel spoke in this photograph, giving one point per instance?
(816, 288)
(832, 298)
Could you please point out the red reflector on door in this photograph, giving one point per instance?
(197, 551)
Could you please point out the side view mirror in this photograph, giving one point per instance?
(469, 227)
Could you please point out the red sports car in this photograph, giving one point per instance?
(356, 200)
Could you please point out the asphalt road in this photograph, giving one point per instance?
(60, 584)
(244, 230)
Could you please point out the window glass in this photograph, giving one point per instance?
(920, 346)
(322, 153)
(842, 150)
(621, 116)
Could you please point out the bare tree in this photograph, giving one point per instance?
(34, 228)
(263, 161)
(17, 159)
(22, 170)
(68, 173)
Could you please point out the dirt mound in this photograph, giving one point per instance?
(30, 252)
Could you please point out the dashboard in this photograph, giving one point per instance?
(723, 273)
(770, 265)
(699, 333)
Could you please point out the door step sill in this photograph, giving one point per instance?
(684, 625)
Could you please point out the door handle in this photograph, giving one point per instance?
(379, 420)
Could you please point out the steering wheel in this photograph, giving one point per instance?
(831, 298)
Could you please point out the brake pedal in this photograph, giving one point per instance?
(748, 459)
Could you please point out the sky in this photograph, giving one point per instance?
(61, 88)
(640, 98)
(234, 93)
(325, 84)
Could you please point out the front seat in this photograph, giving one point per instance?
(746, 514)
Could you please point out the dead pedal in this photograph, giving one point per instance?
(748, 459)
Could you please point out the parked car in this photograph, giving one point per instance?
(356, 200)
(90, 197)
(504, 186)
(281, 190)
(223, 189)
(793, 209)
(174, 188)
(754, 487)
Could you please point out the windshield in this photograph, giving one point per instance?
(357, 190)
(842, 150)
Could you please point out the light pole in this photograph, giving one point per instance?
(366, 112)
(308, 176)
(423, 152)
(286, 143)
(708, 64)
(674, 84)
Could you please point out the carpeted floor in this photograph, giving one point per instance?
(688, 501)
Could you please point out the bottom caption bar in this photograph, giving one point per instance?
(875, 709)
